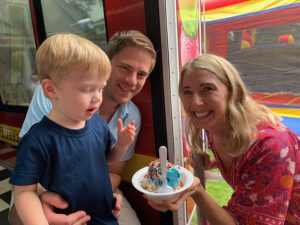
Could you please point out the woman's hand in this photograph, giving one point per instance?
(50, 201)
(117, 209)
(207, 162)
(173, 206)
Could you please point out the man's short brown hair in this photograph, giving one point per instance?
(130, 38)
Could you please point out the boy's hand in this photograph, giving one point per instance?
(125, 134)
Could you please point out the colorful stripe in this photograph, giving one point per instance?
(246, 9)
(287, 112)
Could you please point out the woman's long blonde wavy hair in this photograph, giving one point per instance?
(244, 113)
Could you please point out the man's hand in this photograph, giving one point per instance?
(50, 201)
(126, 134)
(117, 209)
(126, 137)
(115, 173)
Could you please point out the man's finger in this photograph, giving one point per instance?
(119, 201)
(54, 200)
(78, 218)
(120, 124)
(132, 122)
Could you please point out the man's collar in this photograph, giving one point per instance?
(123, 110)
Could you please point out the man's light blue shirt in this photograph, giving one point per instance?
(40, 106)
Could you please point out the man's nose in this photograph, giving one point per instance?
(132, 78)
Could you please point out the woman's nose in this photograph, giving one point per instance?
(197, 100)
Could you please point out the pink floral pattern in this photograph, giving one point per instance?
(266, 179)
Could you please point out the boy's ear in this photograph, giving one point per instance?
(48, 88)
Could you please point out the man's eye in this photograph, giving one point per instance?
(142, 75)
(124, 68)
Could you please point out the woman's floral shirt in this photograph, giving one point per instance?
(266, 179)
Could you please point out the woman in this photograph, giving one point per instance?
(257, 155)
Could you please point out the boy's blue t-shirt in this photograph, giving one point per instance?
(71, 163)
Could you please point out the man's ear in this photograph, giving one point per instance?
(49, 88)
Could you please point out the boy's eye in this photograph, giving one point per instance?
(87, 90)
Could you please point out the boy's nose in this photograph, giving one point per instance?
(97, 96)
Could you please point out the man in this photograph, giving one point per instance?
(132, 58)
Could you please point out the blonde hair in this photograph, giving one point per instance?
(64, 52)
(244, 113)
(130, 38)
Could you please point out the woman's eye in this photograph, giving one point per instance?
(187, 92)
(206, 89)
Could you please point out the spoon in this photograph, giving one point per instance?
(163, 166)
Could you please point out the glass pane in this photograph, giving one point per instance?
(17, 50)
(267, 57)
(82, 17)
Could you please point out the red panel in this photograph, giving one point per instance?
(144, 102)
(213, 4)
(12, 119)
(219, 40)
(145, 94)
(280, 99)
(124, 15)
(277, 99)
(145, 143)
(258, 95)
(147, 118)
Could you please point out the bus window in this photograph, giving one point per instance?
(85, 18)
(17, 50)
